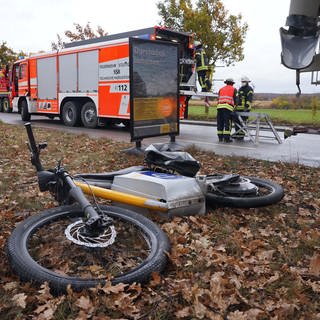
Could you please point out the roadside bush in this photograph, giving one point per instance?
(280, 103)
(315, 105)
(290, 102)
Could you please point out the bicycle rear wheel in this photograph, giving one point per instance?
(39, 251)
(268, 193)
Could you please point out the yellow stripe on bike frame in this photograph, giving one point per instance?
(122, 197)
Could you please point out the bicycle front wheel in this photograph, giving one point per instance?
(39, 251)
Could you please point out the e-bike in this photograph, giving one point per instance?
(84, 245)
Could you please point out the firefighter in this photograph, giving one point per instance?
(227, 99)
(202, 64)
(245, 97)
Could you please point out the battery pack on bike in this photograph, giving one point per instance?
(181, 195)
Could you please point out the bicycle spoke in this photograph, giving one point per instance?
(53, 250)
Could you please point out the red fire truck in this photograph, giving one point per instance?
(4, 90)
(87, 82)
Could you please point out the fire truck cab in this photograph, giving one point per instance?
(4, 90)
(87, 82)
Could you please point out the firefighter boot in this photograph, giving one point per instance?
(227, 138)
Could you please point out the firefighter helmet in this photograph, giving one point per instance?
(245, 79)
(229, 80)
(197, 44)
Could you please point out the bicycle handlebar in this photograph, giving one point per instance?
(93, 219)
(32, 141)
(35, 151)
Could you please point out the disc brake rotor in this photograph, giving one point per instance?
(75, 233)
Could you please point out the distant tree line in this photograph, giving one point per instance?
(289, 102)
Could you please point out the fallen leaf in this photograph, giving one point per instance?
(286, 311)
(272, 279)
(185, 312)
(315, 265)
(237, 315)
(199, 309)
(10, 286)
(44, 292)
(84, 303)
(20, 300)
(156, 279)
(109, 288)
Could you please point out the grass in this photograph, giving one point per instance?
(220, 263)
(278, 116)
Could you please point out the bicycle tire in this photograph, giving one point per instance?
(275, 194)
(29, 269)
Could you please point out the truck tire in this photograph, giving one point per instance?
(126, 124)
(1, 106)
(89, 116)
(25, 114)
(71, 114)
(6, 105)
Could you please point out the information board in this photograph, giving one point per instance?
(154, 88)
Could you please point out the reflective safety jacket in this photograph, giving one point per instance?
(227, 97)
(201, 60)
(245, 97)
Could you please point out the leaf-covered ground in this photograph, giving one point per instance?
(229, 264)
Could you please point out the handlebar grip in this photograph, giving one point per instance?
(32, 141)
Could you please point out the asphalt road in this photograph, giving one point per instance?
(303, 148)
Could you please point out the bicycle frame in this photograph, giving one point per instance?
(122, 197)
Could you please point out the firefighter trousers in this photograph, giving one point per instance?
(205, 83)
(224, 124)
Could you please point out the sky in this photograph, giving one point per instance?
(31, 26)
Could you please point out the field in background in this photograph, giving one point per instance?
(278, 109)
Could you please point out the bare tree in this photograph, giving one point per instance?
(81, 33)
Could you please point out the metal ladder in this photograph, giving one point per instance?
(254, 122)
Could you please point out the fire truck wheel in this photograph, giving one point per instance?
(25, 114)
(6, 105)
(126, 123)
(89, 115)
(1, 106)
(71, 114)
